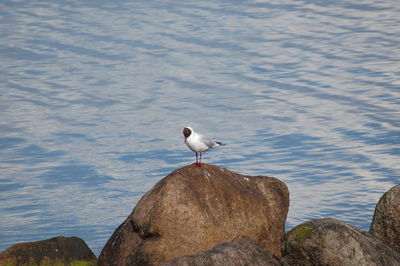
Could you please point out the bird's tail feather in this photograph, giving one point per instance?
(220, 143)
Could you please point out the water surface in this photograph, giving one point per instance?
(94, 96)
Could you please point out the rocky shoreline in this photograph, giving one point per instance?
(213, 216)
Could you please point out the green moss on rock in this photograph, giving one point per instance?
(84, 263)
(301, 232)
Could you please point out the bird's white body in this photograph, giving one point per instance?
(198, 143)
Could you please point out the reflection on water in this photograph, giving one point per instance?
(94, 97)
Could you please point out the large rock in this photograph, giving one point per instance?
(195, 208)
(240, 252)
(386, 221)
(333, 243)
(55, 251)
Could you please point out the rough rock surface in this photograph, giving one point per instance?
(333, 243)
(242, 251)
(54, 251)
(386, 221)
(195, 208)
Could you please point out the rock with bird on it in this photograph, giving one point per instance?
(195, 208)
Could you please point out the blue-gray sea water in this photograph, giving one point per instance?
(94, 96)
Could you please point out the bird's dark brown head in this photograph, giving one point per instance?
(187, 132)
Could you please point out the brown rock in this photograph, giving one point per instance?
(240, 252)
(55, 251)
(195, 208)
(333, 243)
(386, 221)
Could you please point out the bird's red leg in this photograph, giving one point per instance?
(196, 158)
(200, 159)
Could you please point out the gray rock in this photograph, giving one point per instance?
(386, 221)
(334, 243)
(242, 251)
(195, 208)
(54, 251)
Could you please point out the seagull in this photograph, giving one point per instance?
(198, 143)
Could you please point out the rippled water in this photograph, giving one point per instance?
(94, 95)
